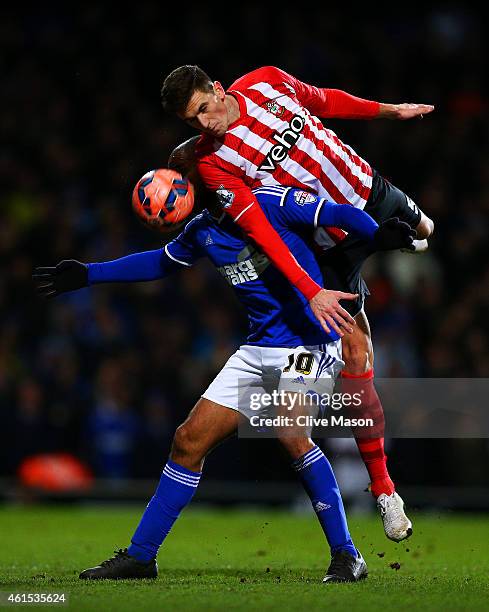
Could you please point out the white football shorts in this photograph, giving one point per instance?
(257, 371)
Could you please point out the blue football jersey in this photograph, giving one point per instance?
(278, 314)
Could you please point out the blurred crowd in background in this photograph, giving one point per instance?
(107, 373)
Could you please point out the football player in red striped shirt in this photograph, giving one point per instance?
(263, 130)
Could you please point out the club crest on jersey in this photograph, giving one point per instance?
(304, 197)
(274, 108)
(285, 141)
(225, 196)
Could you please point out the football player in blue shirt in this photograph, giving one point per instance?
(286, 349)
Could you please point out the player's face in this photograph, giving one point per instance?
(207, 112)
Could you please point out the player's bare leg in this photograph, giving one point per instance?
(358, 372)
(424, 230)
(207, 425)
(425, 227)
(317, 477)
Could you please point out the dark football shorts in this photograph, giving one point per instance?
(341, 265)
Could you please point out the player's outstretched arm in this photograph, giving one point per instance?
(339, 104)
(70, 274)
(390, 235)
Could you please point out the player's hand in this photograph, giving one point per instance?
(394, 234)
(409, 111)
(329, 312)
(404, 111)
(68, 275)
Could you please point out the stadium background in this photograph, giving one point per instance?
(107, 374)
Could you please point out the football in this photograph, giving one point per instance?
(162, 199)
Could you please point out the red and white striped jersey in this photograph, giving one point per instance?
(278, 140)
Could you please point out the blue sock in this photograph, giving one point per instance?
(176, 489)
(320, 483)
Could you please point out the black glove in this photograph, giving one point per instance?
(394, 234)
(68, 275)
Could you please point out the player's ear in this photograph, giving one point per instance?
(219, 90)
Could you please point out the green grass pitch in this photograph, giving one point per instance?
(245, 560)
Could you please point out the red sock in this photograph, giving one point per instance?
(371, 448)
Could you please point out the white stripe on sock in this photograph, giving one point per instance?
(183, 474)
(195, 478)
(179, 480)
(314, 453)
(168, 474)
(310, 462)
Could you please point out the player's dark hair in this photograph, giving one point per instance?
(179, 86)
